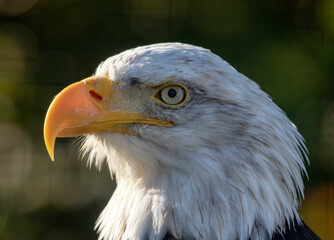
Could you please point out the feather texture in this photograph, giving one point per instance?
(230, 167)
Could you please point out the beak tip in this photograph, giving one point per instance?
(51, 152)
(49, 143)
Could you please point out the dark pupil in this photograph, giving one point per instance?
(171, 93)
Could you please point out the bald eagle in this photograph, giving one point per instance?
(198, 150)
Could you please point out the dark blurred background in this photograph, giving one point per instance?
(287, 46)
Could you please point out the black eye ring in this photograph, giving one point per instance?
(173, 94)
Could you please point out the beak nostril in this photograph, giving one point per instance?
(95, 95)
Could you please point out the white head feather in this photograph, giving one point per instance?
(229, 168)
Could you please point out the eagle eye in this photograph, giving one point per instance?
(172, 95)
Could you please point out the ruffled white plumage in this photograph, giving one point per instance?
(230, 168)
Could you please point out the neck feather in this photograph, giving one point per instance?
(225, 204)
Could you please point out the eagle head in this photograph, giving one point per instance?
(198, 150)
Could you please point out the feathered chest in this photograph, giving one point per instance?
(185, 211)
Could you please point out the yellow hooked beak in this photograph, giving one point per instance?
(85, 107)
